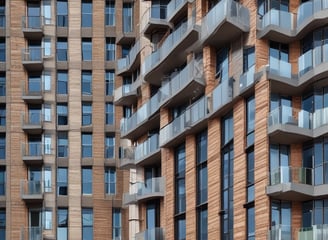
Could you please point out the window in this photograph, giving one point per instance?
(152, 215)
(46, 78)
(2, 84)
(280, 219)
(34, 114)
(34, 51)
(110, 76)
(86, 180)
(109, 146)
(264, 6)
(158, 9)
(47, 144)
(62, 13)
(86, 145)
(62, 114)
(248, 58)
(86, 82)
(279, 164)
(180, 192)
(202, 223)
(278, 53)
(62, 49)
(110, 180)
(281, 109)
(117, 223)
(251, 223)
(62, 223)
(2, 223)
(62, 82)
(250, 176)
(315, 212)
(34, 84)
(86, 113)
(87, 224)
(109, 114)
(46, 46)
(127, 17)
(110, 49)
(222, 64)
(34, 145)
(86, 18)
(62, 181)
(86, 49)
(2, 49)
(2, 18)
(110, 13)
(47, 218)
(2, 181)
(227, 155)
(2, 146)
(46, 10)
(62, 144)
(2, 115)
(250, 120)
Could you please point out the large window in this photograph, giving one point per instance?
(62, 82)
(250, 120)
(86, 49)
(86, 180)
(227, 157)
(248, 58)
(315, 212)
(281, 109)
(2, 49)
(86, 145)
(2, 223)
(86, 18)
(2, 115)
(280, 219)
(2, 84)
(62, 49)
(2, 180)
(202, 182)
(62, 181)
(2, 15)
(87, 224)
(62, 13)
(110, 77)
(86, 113)
(117, 223)
(34, 84)
(2, 146)
(86, 82)
(110, 180)
(110, 13)
(279, 164)
(110, 49)
(109, 114)
(265, 5)
(127, 17)
(62, 223)
(62, 144)
(250, 223)
(278, 53)
(62, 114)
(222, 64)
(109, 146)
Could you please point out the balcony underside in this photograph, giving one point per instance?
(153, 159)
(33, 66)
(33, 160)
(288, 134)
(155, 24)
(126, 100)
(131, 67)
(179, 13)
(37, 99)
(297, 191)
(32, 129)
(33, 199)
(126, 163)
(127, 38)
(176, 57)
(33, 33)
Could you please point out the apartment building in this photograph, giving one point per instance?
(227, 120)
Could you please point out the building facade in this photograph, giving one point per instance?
(181, 119)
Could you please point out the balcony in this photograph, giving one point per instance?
(128, 35)
(32, 59)
(127, 157)
(184, 85)
(154, 19)
(277, 25)
(151, 189)
(317, 232)
(171, 54)
(32, 27)
(176, 9)
(125, 95)
(288, 125)
(33, 93)
(192, 120)
(32, 122)
(221, 96)
(143, 120)
(32, 153)
(31, 233)
(32, 191)
(280, 232)
(151, 234)
(148, 152)
(247, 80)
(130, 62)
(224, 22)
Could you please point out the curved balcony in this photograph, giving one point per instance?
(130, 62)
(319, 232)
(191, 121)
(171, 54)
(177, 9)
(295, 184)
(151, 234)
(185, 85)
(224, 22)
(32, 59)
(32, 191)
(154, 18)
(143, 120)
(125, 95)
(32, 27)
(32, 153)
(32, 122)
(287, 125)
(151, 189)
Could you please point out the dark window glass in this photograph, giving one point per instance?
(202, 224)
(110, 13)
(2, 181)
(62, 13)
(127, 17)
(110, 49)
(62, 179)
(86, 145)
(251, 223)
(87, 224)
(86, 49)
(62, 144)
(86, 113)
(62, 49)
(2, 223)
(280, 219)
(86, 82)
(110, 77)
(2, 49)
(86, 180)
(2, 146)
(2, 84)
(248, 58)
(86, 13)
(109, 114)
(62, 82)
(222, 64)
(110, 180)
(180, 188)
(109, 146)
(62, 114)
(250, 120)
(2, 115)
(117, 223)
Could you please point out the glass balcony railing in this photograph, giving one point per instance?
(153, 13)
(316, 232)
(308, 9)
(222, 95)
(291, 175)
(30, 188)
(320, 118)
(32, 149)
(147, 148)
(280, 68)
(124, 63)
(150, 234)
(174, 6)
(281, 19)
(247, 79)
(193, 114)
(32, 22)
(312, 59)
(33, 54)
(280, 232)
(31, 233)
(32, 118)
